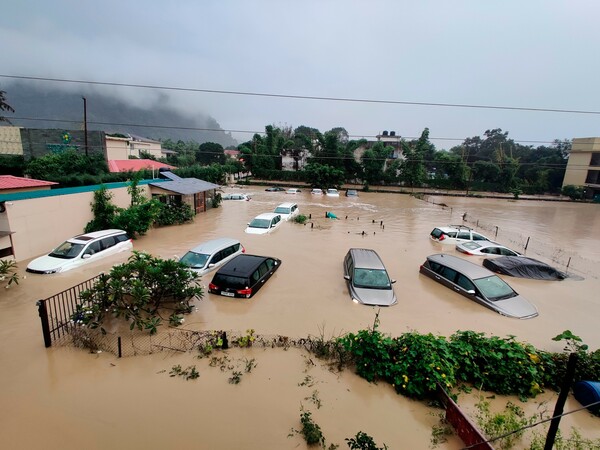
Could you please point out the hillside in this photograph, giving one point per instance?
(108, 113)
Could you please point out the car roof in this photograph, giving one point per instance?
(465, 267)
(286, 205)
(83, 238)
(214, 245)
(483, 244)
(365, 258)
(454, 228)
(242, 265)
(267, 216)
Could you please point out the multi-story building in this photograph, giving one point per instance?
(583, 167)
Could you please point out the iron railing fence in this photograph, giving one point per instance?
(56, 312)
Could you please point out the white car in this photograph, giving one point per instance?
(485, 248)
(456, 234)
(287, 210)
(211, 254)
(292, 191)
(317, 191)
(80, 250)
(237, 197)
(264, 223)
(332, 193)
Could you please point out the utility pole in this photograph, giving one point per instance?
(85, 124)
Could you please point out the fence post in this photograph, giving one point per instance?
(527, 243)
(43, 312)
(496, 233)
(119, 347)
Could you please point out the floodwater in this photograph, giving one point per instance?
(63, 398)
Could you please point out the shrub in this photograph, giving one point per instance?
(300, 218)
(8, 272)
(171, 214)
(573, 192)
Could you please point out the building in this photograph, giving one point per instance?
(135, 165)
(121, 146)
(583, 167)
(390, 139)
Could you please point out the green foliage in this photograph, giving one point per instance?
(301, 219)
(236, 377)
(324, 176)
(103, 209)
(138, 291)
(217, 200)
(572, 441)
(12, 165)
(172, 214)
(55, 166)
(362, 441)
(506, 422)
(210, 153)
(189, 373)
(214, 173)
(311, 432)
(8, 274)
(246, 340)
(573, 192)
(4, 107)
(137, 219)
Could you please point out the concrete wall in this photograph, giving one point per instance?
(117, 148)
(10, 141)
(39, 142)
(579, 160)
(41, 224)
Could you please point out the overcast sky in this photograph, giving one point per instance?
(539, 54)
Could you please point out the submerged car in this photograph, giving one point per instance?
(293, 191)
(211, 254)
(478, 284)
(80, 250)
(456, 234)
(332, 193)
(243, 276)
(264, 223)
(524, 267)
(317, 191)
(485, 248)
(287, 210)
(275, 189)
(367, 279)
(238, 197)
(351, 193)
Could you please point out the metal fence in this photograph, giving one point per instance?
(56, 311)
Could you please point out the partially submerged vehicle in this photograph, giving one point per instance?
(523, 267)
(367, 279)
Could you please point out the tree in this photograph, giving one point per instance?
(4, 107)
(103, 209)
(451, 167)
(373, 163)
(573, 192)
(323, 176)
(209, 153)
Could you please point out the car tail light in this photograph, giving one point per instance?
(213, 287)
(243, 249)
(442, 237)
(246, 292)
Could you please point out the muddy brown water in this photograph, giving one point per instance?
(66, 398)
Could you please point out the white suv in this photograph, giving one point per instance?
(287, 210)
(456, 234)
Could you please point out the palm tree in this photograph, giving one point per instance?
(4, 107)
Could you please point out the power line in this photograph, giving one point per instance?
(305, 97)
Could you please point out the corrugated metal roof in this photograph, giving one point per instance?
(186, 186)
(12, 182)
(169, 175)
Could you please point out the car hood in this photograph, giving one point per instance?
(518, 307)
(379, 297)
(46, 262)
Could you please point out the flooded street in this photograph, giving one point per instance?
(68, 399)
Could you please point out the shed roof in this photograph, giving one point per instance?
(12, 182)
(135, 165)
(186, 186)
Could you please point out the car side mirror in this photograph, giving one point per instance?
(347, 277)
(471, 292)
(211, 265)
(86, 256)
(393, 281)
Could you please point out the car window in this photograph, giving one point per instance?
(464, 235)
(228, 281)
(478, 237)
(437, 268)
(194, 260)
(494, 288)
(263, 269)
(107, 242)
(216, 258)
(93, 248)
(371, 278)
(67, 250)
(436, 233)
(465, 283)
(235, 247)
(255, 276)
(507, 252)
(448, 273)
(270, 263)
(451, 234)
(121, 238)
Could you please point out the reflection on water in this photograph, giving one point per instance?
(100, 401)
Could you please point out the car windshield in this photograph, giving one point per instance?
(371, 278)
(260, 223)
(436, 233)
(282, 210)
(194, 260)
(228, 281)
(67, 250)
(494, 288)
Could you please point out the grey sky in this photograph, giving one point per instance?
(531, 53)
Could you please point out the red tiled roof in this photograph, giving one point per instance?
(135, 165)
(232, 152)
(12, 182)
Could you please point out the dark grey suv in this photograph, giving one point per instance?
(477, 284)
(243, 276)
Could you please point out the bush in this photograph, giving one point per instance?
(573, 192)
(170, 214)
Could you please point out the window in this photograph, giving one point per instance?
(465, 283)
(437, 268)
(507, 252)
(478, 237)
(255, 276)
(121, 238)
(263, 269)
(448, 273)
(464, 235)
(93, 248)
(270, 263)
(595, 159)
(494, 288)
(593, 177)
(218, 257)
(107, 242)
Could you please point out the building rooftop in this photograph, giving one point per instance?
(135, 165)
(12, 182)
